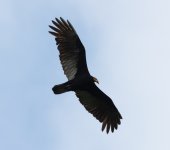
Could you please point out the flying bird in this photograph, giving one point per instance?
(73, 59)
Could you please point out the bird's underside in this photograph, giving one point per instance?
(73, 60)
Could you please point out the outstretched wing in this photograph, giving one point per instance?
(72, 52)
(101, 107)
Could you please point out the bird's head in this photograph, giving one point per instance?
(95, 80)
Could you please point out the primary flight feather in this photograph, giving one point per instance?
(73, 59)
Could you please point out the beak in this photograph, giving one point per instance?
(95, 80)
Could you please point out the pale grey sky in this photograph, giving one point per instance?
(128, 50)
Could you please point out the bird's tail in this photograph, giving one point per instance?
(61, 88)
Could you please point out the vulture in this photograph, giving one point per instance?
(73, 60)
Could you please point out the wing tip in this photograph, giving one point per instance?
(52, 33)
(62, 25)
(111, 125)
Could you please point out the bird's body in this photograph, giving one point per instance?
(73, 60)
(82, 83)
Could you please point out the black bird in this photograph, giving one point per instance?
(73, 60)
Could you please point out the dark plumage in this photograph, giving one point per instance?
(73, 60)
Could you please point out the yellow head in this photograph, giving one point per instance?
(95, 80)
